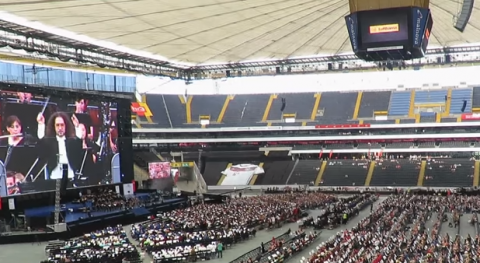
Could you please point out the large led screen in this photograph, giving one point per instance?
(383, 26)
(46, 137)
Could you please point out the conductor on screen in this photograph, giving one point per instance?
(58, 145)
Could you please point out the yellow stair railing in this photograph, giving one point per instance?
(421, 173)
(358, 103)
(371, 168)
(318, 180)
(476, 173)
(267, 108)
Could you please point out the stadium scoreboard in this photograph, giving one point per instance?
(400, 33)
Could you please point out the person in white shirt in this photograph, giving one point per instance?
(59, 146)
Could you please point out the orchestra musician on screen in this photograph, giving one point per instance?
(44, 139)
(159, 170)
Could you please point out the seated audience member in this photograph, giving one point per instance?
(396, 232)
(109, 245)
(198, 229)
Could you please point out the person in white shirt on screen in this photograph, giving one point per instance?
(59, 145)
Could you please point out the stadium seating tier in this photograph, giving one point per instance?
(444, 105)
(396, 172)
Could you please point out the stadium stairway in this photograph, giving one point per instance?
(449, 173)
(371, 168)
(207, 105)
(159, 110)
(213, 172)
(421, 173)
(345, 173)
(245, 110)
(305, 172)
(321, 172)
(476, 173)
(395, 172)
(176, 105)
(300, 104)
(276, 173)
(373, 101)
(336, 107)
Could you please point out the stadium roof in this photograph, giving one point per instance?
(221, 31)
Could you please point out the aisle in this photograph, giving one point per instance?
(147, 258)
(262, 236)
(326, 234)
(451, 231)
(465, 227)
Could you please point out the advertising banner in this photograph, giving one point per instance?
(471, 117)
(141, 109)
(352, 27)
(419, 23)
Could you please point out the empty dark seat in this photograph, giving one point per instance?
(345, 173)
(449, 173)
(276, 173)
(305, 172)
(213, 172)
(396, 172)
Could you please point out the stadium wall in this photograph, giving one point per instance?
(366, 81)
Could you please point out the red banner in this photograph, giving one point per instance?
(470, 117)
(343, 126)
(141, 109)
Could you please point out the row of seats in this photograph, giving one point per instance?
(441, 172)
(378, 146)
(171, 111)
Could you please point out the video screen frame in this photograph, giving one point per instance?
(385, 20)
(100, 141)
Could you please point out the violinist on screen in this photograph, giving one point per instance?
(58, 146)
(81, 115)
(90, 154)
(14, 127)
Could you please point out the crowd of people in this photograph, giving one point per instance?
(298, 241)
(109, 245)
(197, 231)
(396, 232)
(108, 200)
(339, 212)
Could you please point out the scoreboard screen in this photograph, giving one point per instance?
(390, 34)
(381, 27)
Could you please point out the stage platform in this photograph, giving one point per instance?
(76, 215)
(78, 223)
